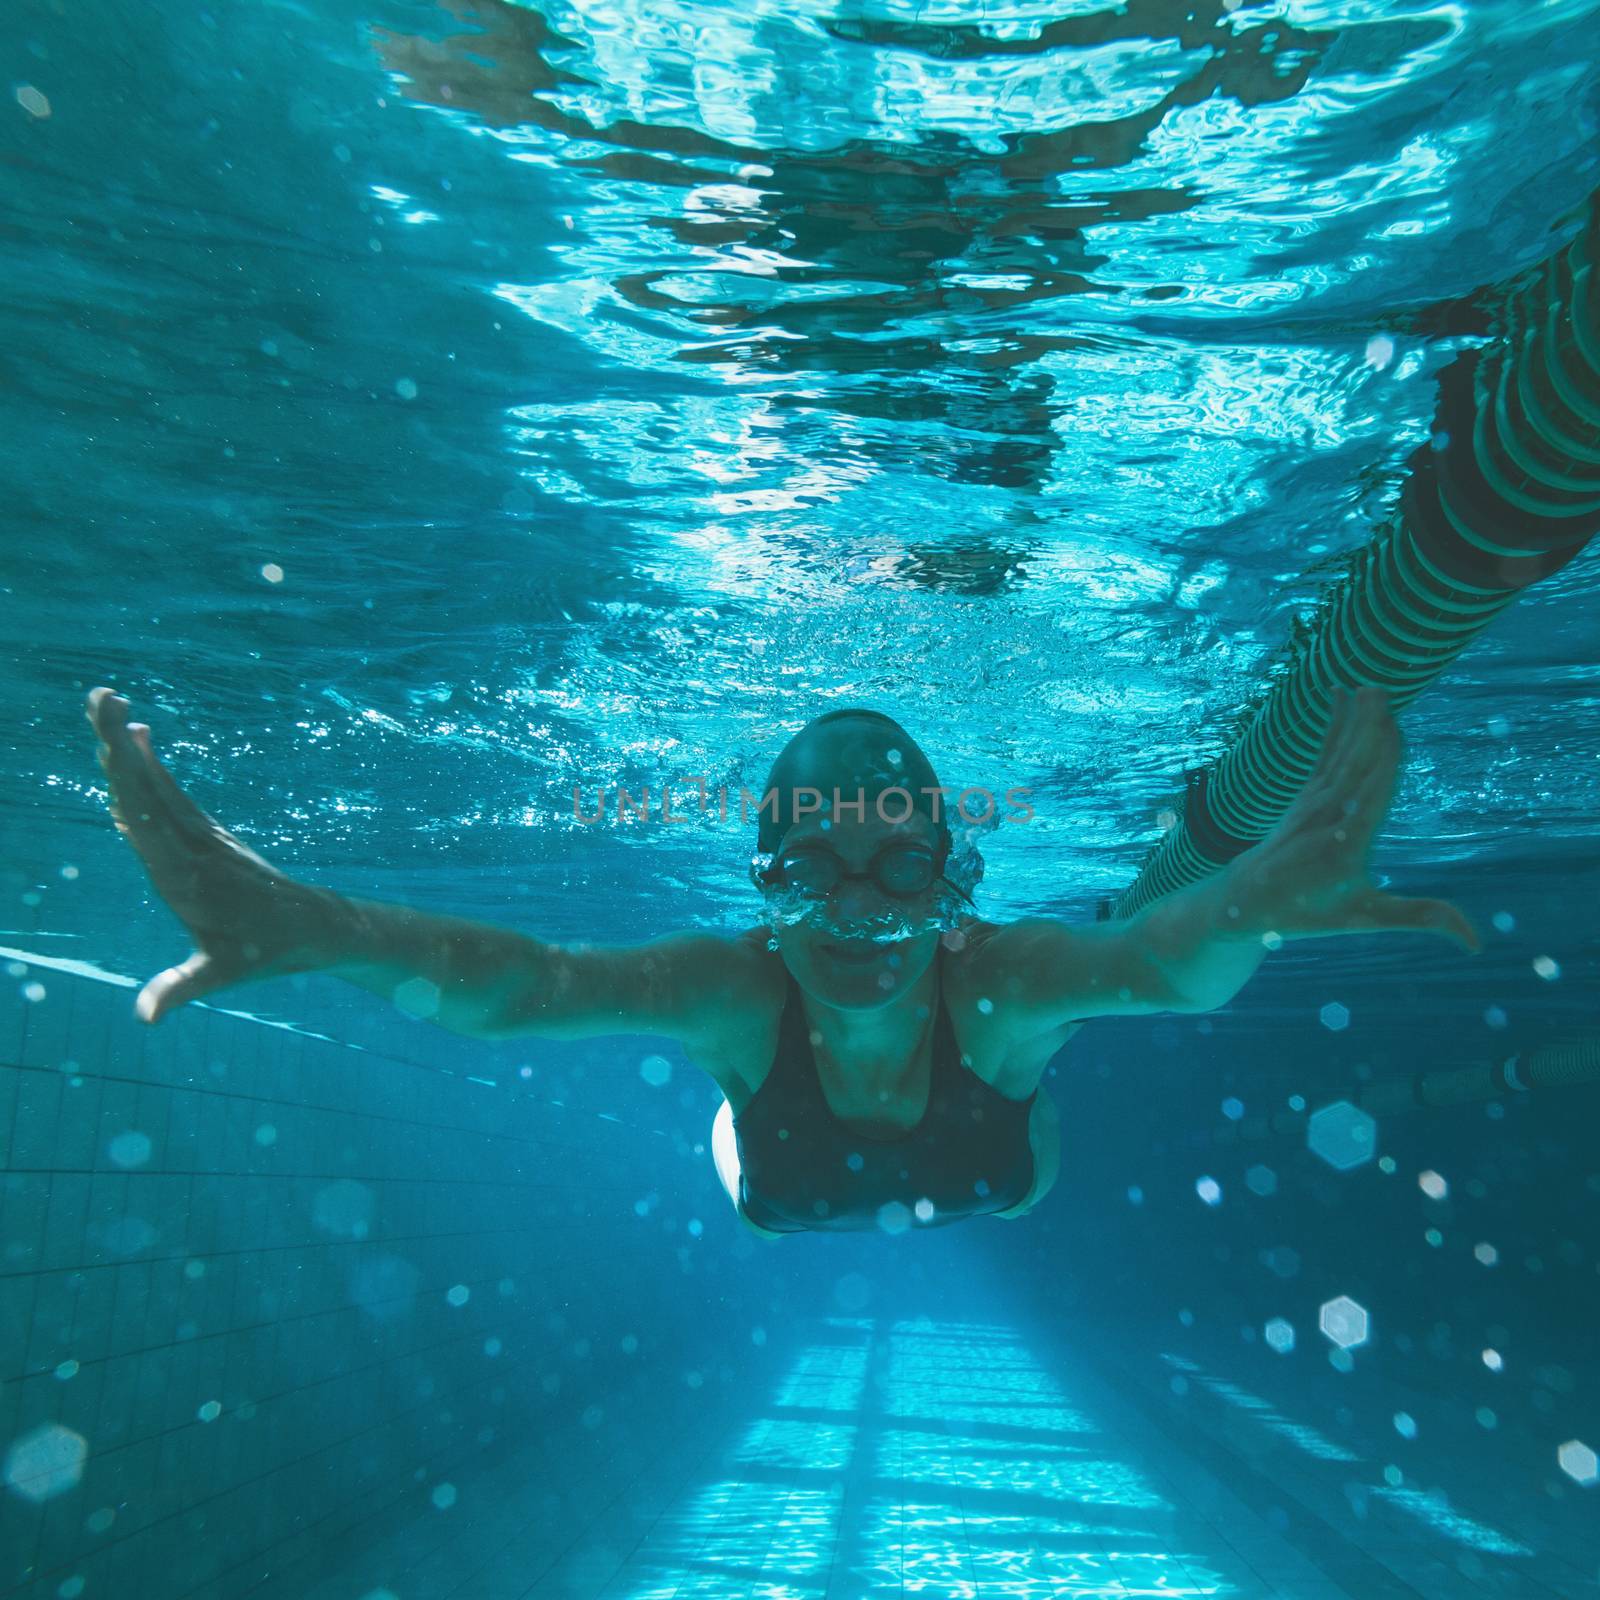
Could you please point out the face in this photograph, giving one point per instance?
(858, 943)
(857, 946)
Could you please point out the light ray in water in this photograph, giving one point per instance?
(1431, 1506)
(926, 1458)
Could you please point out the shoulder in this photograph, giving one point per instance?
(712, 977)
(715, 956)
(998, 978)
(740, 989)
(1043, 974)
(998, 959)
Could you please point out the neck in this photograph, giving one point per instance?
(885, 1043)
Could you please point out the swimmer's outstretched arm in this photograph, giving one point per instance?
(250, 921)
(1195, 949)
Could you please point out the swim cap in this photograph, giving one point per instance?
(885, 757)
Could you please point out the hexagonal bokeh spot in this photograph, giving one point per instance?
(1280, 1335)
(1344, 1135)
(1261, 1180)
(1344, 1322)
(1579, 1463)
(47, 1462)
(1335, 1017)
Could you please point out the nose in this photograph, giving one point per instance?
(856, 901)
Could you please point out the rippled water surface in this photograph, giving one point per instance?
(424, 410)
(419, 409)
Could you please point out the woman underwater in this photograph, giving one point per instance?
(879, 1048)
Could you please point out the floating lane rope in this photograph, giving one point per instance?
(1504, 492)
(1566, 1065)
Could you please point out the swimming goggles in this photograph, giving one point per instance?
(814, 871)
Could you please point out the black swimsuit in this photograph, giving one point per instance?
(802, 1168)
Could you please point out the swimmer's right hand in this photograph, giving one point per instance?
(247, 919)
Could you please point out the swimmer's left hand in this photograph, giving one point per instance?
(1309, 876)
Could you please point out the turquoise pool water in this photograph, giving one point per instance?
(422, 411)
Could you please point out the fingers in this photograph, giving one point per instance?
(107, 711)
(1373, 767)
(1332, 740)
(1392, 913)
(1369, 731)
(102, 710)
(200, 974)
(182, 808)
(1360, 760)
(1353, 717)
(146, 800)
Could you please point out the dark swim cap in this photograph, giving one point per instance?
(796, 769)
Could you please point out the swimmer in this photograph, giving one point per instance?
(879, 1047)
